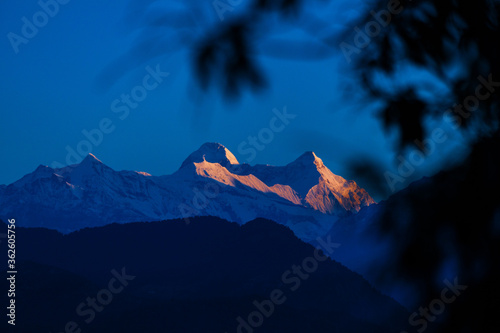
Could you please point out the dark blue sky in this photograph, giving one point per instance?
(67, 77)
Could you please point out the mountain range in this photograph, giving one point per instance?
(303, 195)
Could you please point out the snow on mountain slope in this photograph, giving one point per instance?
(222, 175)
(315, 185)
(303, 195)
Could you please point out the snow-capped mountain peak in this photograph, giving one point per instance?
(90, 159)
(211, 152)
(307, 159)
(42, 171)
(88, 171)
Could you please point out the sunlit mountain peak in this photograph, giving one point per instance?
(211, 152)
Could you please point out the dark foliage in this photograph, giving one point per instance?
(455, 216)
(455, 42)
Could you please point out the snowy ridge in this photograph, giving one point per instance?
(304, 195)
